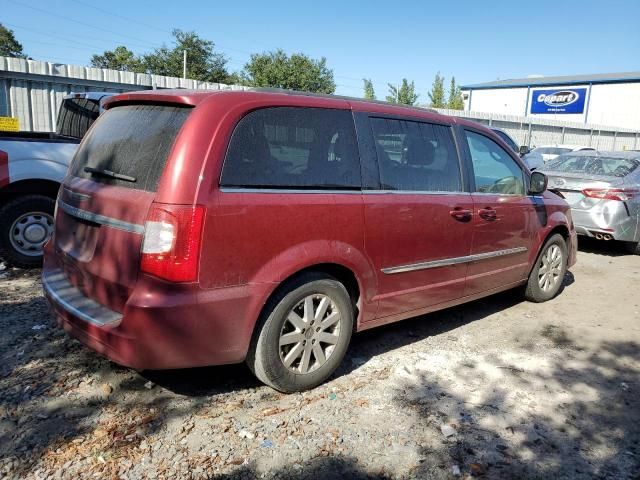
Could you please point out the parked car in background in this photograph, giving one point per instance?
(200, 228)
(32, 165)
(603, 189)
(549, 152)
(531, 160)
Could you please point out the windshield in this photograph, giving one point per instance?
(76, 115)
(610, 166)
(507, 139)
(551, 150)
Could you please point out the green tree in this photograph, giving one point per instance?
(369, 92)
(203, 63)
(455, 96)
(405, 94)
(297, 72)
(121, 58)
(436, 95)
(9, 46)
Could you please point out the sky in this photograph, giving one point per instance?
(475, 41)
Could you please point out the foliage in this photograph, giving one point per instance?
(297, 72)
(203, 63)
(9, 46)
(369, 92)
(121, 58)
(455, 96)
(405, 94)
(436, 95)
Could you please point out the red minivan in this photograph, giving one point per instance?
(203, 228)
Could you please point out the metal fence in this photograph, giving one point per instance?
(31, 91)
(534, 132)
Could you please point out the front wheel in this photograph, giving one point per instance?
(545, 279)
(305, 334)
(26, 223)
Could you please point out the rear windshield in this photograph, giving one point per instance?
(132, 140)
(551, 150)
(610, 166)
(76, 115)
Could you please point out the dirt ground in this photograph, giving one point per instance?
(499, 388)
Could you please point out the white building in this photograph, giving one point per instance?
(611, 99)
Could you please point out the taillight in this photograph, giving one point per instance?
(171, 245)
(619, 194)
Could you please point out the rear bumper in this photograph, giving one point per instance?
(163, 326)
(614, 221)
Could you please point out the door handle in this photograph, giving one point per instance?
(488, 214)
(461, 214)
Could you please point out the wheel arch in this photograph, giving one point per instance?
(39, 186)
(341, 273)
(558, 228)
(561, 229)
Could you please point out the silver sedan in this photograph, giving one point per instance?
(603, 189)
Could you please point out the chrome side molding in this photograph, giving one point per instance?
(445, 262)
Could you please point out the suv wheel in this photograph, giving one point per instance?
(26, 223)
(545, 279)
(305, 334)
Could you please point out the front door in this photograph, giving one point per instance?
(419, 222)
(505, 219)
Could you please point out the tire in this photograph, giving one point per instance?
(267, 357)
(20, 247)
(632, 247)
(537, 290)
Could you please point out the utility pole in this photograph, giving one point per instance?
(184, 64)
(397, 92)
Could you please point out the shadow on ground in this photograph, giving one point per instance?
(608, 248)
(583, 423)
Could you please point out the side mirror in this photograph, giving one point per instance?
(524, 150)
(538, 183)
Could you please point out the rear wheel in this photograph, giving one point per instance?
(545, 279)
(26, 223)
(305, 334)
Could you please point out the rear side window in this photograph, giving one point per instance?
(291, 147)
(416, 156)
(132, 140)
(76, 115)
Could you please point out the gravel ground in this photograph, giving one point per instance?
(499, 388)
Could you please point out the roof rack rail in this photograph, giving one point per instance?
(329, 95)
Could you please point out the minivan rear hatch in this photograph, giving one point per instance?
(107, 194)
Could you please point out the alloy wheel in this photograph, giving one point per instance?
(550, 268)
(309, 334)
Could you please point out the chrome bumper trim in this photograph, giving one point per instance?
(445, 262)
(58, 288)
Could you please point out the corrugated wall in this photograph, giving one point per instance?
(535, 132)
(32, 91)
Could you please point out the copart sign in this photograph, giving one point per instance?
(565, 100)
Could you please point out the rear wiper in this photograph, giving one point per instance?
(109, 173)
